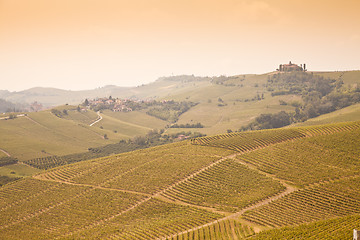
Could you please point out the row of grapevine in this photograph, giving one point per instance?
(333, 229)
(227, 186)
(226, 230)
(328, 129)
(46, 162)
(146, 171)
(322, 201)
(61, 209)
(307, 161)
(245, 141)
(150, 220)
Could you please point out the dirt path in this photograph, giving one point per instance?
(104, 220)
(97, 120)
(5, 152)
(196, 173)
(288, 190)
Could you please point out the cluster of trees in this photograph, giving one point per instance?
(5, 179)
(228, 81)
(187, 125)
(268, 121)
(6, 106)
(319, 96)
(170, 110)
(301, 83)
(59, 113)
(7, 161)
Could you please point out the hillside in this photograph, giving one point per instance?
(225, 103)
(254, 184)
(63, 134)
(42, 134)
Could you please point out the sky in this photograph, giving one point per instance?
(85, 44)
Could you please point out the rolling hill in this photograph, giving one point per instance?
(268, 184)
(223, 104)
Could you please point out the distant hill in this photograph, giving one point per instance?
(223, 104)
(53, 97)
(175, 87)
(6, 106)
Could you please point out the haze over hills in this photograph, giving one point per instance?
(234, 142)
(211, 106)
(178, 87)
(99, 161)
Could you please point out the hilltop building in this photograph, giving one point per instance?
(291, 67)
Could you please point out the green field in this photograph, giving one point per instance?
(260, 184)
(43, 134)
(351, 113)
(18, 170)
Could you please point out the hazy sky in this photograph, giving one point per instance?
(84, 44)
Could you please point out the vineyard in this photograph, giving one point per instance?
(321, 201)
(146, 171)
(150, 220)
(228, 229)
(241, 186)
(334, 229)
(229, 186)
(246, 141)
(304, 162)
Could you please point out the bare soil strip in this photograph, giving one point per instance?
(6, 153)
(97, 120)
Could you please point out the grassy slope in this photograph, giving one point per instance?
(164, 88)
(27, 137)
(349, 77)
(18, 170)
(351, 113)
(129, 124)
(237, 112)
(2, 154)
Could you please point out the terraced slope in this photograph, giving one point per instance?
(245, 141)
(227, 186)
(188, 191)
(310, 160)
(146, 171)
(322, 201)
(334, 229)
(229, 229)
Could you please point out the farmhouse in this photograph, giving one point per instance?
(291, 67)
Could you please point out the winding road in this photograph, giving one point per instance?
(6, 153)
(97, 120)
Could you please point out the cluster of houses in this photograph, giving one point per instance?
(116, 105)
